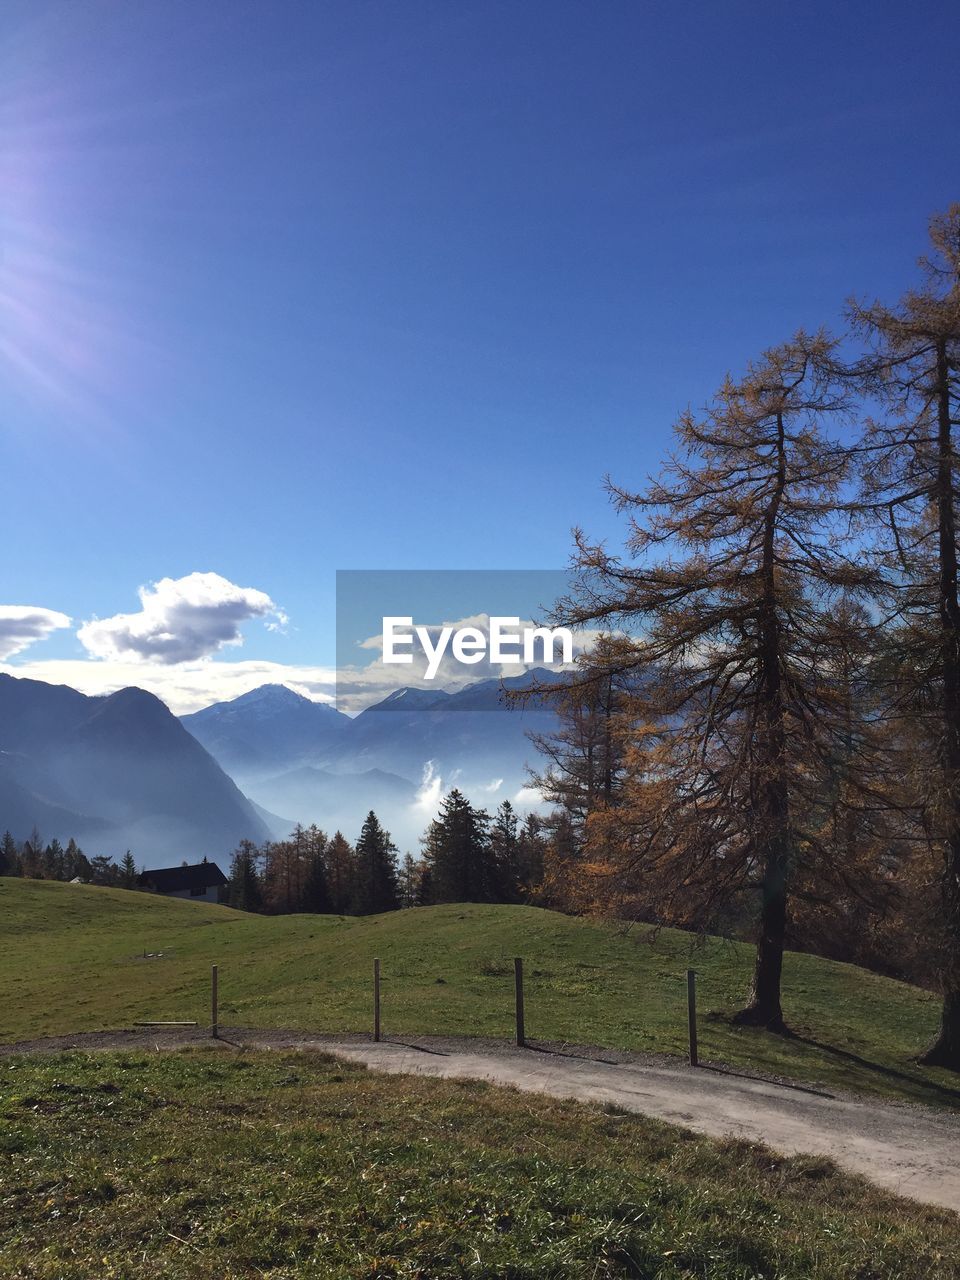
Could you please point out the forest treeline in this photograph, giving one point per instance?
(37, 859)
(765, 738)
(467, 856)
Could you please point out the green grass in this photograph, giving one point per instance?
(210, 1165)
(72, 959)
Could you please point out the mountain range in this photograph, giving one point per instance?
(121, 771)
(304, 758)
(267, 729)
(118, 771)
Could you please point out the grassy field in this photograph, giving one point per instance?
(72, 959)
(209, 1165)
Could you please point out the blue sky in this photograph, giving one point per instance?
(293, 287)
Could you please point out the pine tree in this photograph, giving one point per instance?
(9, 858)
(457, 853)
(530, 851)
(244, 890)
(128, 871)
(77, 863)
(32, 855)
(53, 860)
(103, 869)
(733, 579)
(505, 854)
(375, 889)
(911, 475)
(316, 891)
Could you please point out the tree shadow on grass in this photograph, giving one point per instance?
(921, 1086)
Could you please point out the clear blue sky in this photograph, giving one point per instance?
(291, 287)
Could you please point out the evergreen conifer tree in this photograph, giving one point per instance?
(375, 888)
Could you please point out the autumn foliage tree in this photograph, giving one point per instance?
(585, 755)
(910, 478)
(340, 873)
(731, 590)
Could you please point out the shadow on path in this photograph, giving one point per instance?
(891, 1073)
(781, 1084)
(564, 1053)
(420, 1048)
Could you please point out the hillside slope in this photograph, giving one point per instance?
(73, 959)
(120, 771)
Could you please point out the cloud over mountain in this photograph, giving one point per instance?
(180, 620)
(21, 625)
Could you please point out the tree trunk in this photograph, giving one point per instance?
(945, 1050)
(764, 1007)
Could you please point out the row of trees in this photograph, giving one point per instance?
(468, 856)
(38, 860)
(309, 872)
(771, 723)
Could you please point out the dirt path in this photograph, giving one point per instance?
(912, 1151)
(908, 1150)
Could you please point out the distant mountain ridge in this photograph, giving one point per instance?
(267, 728)
(274, 730)
(121, 771)
(305, 759)
(120, 768)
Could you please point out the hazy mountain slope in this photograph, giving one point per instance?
(333, 800)
(272, 730)
(124, 758)
(28, 800)
(476, 729)
(33, 714)
(304, 759)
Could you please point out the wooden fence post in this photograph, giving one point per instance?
(376, 999)
(518, 986)
(214, 1011)
(692, 1014)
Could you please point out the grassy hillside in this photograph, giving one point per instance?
(72, 959)
(194, 1165)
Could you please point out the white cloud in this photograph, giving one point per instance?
(165, 649)
(528, 798)
(180, 620)
(430, 793)
(21, 625)
(184, 688)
